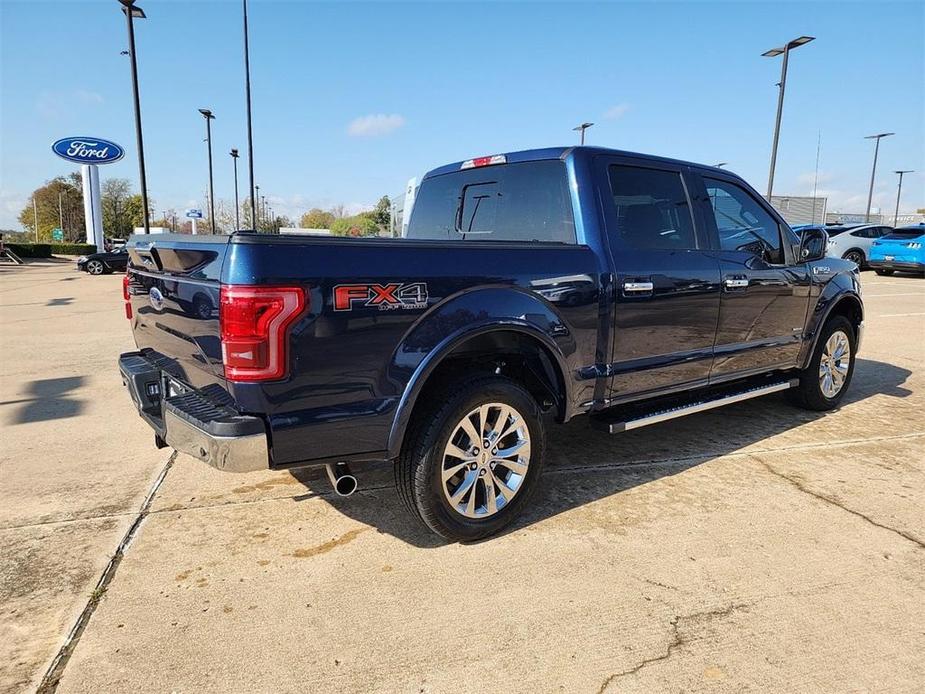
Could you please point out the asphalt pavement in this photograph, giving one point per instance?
(753, 548)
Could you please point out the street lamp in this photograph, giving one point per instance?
(785, 50)
(873, 170)
(581, 130)
(207, 114)
(132, 11)
(899, 191)
(250, 131)
(237, 207)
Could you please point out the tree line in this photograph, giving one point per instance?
(59, 204)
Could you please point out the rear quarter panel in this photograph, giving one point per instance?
(349, 369)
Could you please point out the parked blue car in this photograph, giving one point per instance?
(902, 250)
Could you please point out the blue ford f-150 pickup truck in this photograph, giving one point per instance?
(532, 287)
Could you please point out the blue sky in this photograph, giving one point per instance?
(352, 99)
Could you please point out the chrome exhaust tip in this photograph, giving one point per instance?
(343, 482)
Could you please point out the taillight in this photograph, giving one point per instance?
(484, 161)
(254, 325)
(127, 296)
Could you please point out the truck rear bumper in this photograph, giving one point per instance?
(191, 421)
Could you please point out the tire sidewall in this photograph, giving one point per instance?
(811, 378)
(428, 482)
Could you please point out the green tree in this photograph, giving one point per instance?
(360, 225)
(316, 219)
(382, 214)
(59, 203)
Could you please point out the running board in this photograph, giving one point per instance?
(619, 424)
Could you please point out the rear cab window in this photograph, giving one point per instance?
(527, 201)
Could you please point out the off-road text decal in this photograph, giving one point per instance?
(384, 296)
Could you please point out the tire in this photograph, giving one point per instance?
(883, 273)
(96, 267)
(202, 307)
(855, 256)
(439, 425)
(814, 392)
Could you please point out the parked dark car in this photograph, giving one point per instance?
(532, 287)
(103, 263)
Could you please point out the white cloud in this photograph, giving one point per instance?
(615, 112)
(809, 177)
(375, 124)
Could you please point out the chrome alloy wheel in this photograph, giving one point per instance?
(95, 267)
(833, 366)
(485, 460)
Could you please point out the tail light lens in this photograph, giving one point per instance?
(126, 295)
(254, 325)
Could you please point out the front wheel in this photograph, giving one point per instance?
(856, 257)
(473, 457)
(96, 267)
(824, 382)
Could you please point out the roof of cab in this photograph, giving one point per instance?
(562, 153)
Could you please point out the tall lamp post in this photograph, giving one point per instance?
(899, 191)
(785, 50)
(207, 114)
(255, 208)
(132, 11)
(237, 206)
(873, 170)
(250, 131)
(580, 129)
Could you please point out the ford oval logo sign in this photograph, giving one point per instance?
(156, 298)
(88, 150)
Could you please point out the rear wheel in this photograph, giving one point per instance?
(824, 382)
(96, 267)
(883, 272)
(855, 256)
(473, 458)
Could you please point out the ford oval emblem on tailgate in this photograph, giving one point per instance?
(156, 299)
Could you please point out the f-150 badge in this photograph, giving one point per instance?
(385, 297)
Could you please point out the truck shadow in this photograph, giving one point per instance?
(47, 399)
(599, 465)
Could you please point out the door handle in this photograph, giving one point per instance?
(638, 287)
(736, 283)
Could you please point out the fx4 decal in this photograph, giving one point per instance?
(384, 296)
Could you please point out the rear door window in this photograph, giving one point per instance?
(526, 202)
(653, 212)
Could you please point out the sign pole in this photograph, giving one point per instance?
(93, 212)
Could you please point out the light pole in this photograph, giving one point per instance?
(132, 11)
(263, 210)
(785, 49)
(899, 191)
(873, 170)
(207, 114)
(255, 205)
(237, 206)
(581, 130)
(250, 131)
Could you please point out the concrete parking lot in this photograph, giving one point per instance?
(757, 547)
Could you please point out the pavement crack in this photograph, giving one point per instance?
(53, 675)
(677, 640)
(834, 502)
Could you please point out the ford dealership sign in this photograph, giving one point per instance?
(88, 150)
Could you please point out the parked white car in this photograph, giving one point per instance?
(854, 244)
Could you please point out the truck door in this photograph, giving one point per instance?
(765, 291)
(666, 286)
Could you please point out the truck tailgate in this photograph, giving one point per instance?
(174, 293)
